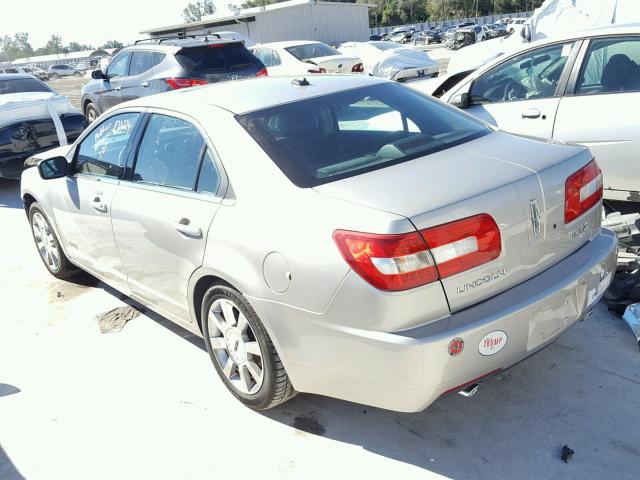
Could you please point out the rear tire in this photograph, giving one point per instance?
(54, 76)
(76, 74)
(91, 112)
(48, 245)
(241, 350)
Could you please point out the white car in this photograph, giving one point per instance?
(517, 23)
(581, 87)
(392, 61)
(302, 57)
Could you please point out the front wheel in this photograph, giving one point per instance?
(90, 112)
(48, 245)
(76, 74)
(54, 76)
(241, 350)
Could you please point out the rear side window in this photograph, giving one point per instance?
(141, 62)
(169, 153)
(103, 151)
(216, 57)
(612, 65)
(326, 138)
(20, 85)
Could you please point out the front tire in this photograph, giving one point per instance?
(241, 350)
(76, 74)
(91, 112)
(48, 245)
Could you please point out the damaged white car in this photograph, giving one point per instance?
(392, 61)
(33, 118)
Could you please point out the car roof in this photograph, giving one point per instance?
(287, 44)
(242, 96)
(175, 44)
(613, 29)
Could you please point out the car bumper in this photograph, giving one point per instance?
(408, 370)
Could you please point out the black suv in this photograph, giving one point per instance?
(158, 65)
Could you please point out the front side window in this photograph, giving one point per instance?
(118, 67)
(169, 153)
(326, 138)
(612, 65)
(103, 151)
(534, 74)
(141, 62)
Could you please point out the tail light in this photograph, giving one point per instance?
(400, 262)
(318, 70)
(463, 244)
(582, 190)
(262, 73)
(388, 262)
(176, 83)
(357, 68)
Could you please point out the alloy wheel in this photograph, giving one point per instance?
(45, 241)
(235, 346)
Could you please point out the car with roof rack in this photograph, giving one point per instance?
(159, 65)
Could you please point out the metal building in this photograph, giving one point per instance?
(329, 22)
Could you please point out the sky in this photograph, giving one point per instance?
(89, 21)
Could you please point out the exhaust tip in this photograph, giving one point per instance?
(470, 390)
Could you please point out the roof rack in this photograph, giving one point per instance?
(159, 40)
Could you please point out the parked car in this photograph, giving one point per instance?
(375, 37)
(82, 66)
(497, 30)
(580, 87)
(36, 72)
(161, 65)
(57, 71)
(26, 123)
(427, 37)
(516, 23)
(439, 250)
(466, 36)
(391, 61)
(402, 34)
(302, 57)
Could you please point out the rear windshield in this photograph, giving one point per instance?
(327, 138)
(20, 85)
(216, 57)
(311, 50)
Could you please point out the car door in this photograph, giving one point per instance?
(137, 82)
(83, 208)
(162, 213)
(600, 111)
(110, 93)
(521, 94)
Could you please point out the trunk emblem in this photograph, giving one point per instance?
(535, 217)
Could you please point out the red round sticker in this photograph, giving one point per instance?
(455, 346)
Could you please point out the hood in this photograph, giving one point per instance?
(22, 97)
(18, 107)
(477, 55)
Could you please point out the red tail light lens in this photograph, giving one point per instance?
(582, 190)
(400, 262)
(357, 68)
(318, 70)
(388, 262)
(177, 83)
(262, 73)
(463, 244)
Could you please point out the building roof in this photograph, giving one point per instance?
(242, 96)
(61, 57)
(246, 13)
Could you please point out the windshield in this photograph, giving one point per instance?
(327, 138)
(311, 50)
(21, 85)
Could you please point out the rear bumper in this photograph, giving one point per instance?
(416, 73)
(408, 370)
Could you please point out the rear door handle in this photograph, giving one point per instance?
(184, 226)
(145, 84)
(99, 205)
(531, 113)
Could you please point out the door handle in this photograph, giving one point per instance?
(99, 205)
(119, 87)
(145, 84)
(184, 226)
(531, 113)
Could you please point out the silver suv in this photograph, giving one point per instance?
(57, 71)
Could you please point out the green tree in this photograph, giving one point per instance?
(194, 12)
(54, 44)
(78, 47)
(112, 44)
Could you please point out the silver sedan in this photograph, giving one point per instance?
(340, 235)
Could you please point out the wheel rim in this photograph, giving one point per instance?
(235, 346)
(45, 241)
(91, 114)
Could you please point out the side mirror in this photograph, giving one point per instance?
(55, 167)
(97, 74)
(461, 101)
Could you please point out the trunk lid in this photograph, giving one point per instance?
(335, 63)
(518, 181)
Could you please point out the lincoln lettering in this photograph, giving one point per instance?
(490, 277)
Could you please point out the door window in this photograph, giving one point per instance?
(209, 178)
(531, 75)
(612, 65)
(169, 153)
(103, 151)
(140, 63)
(118, 68)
